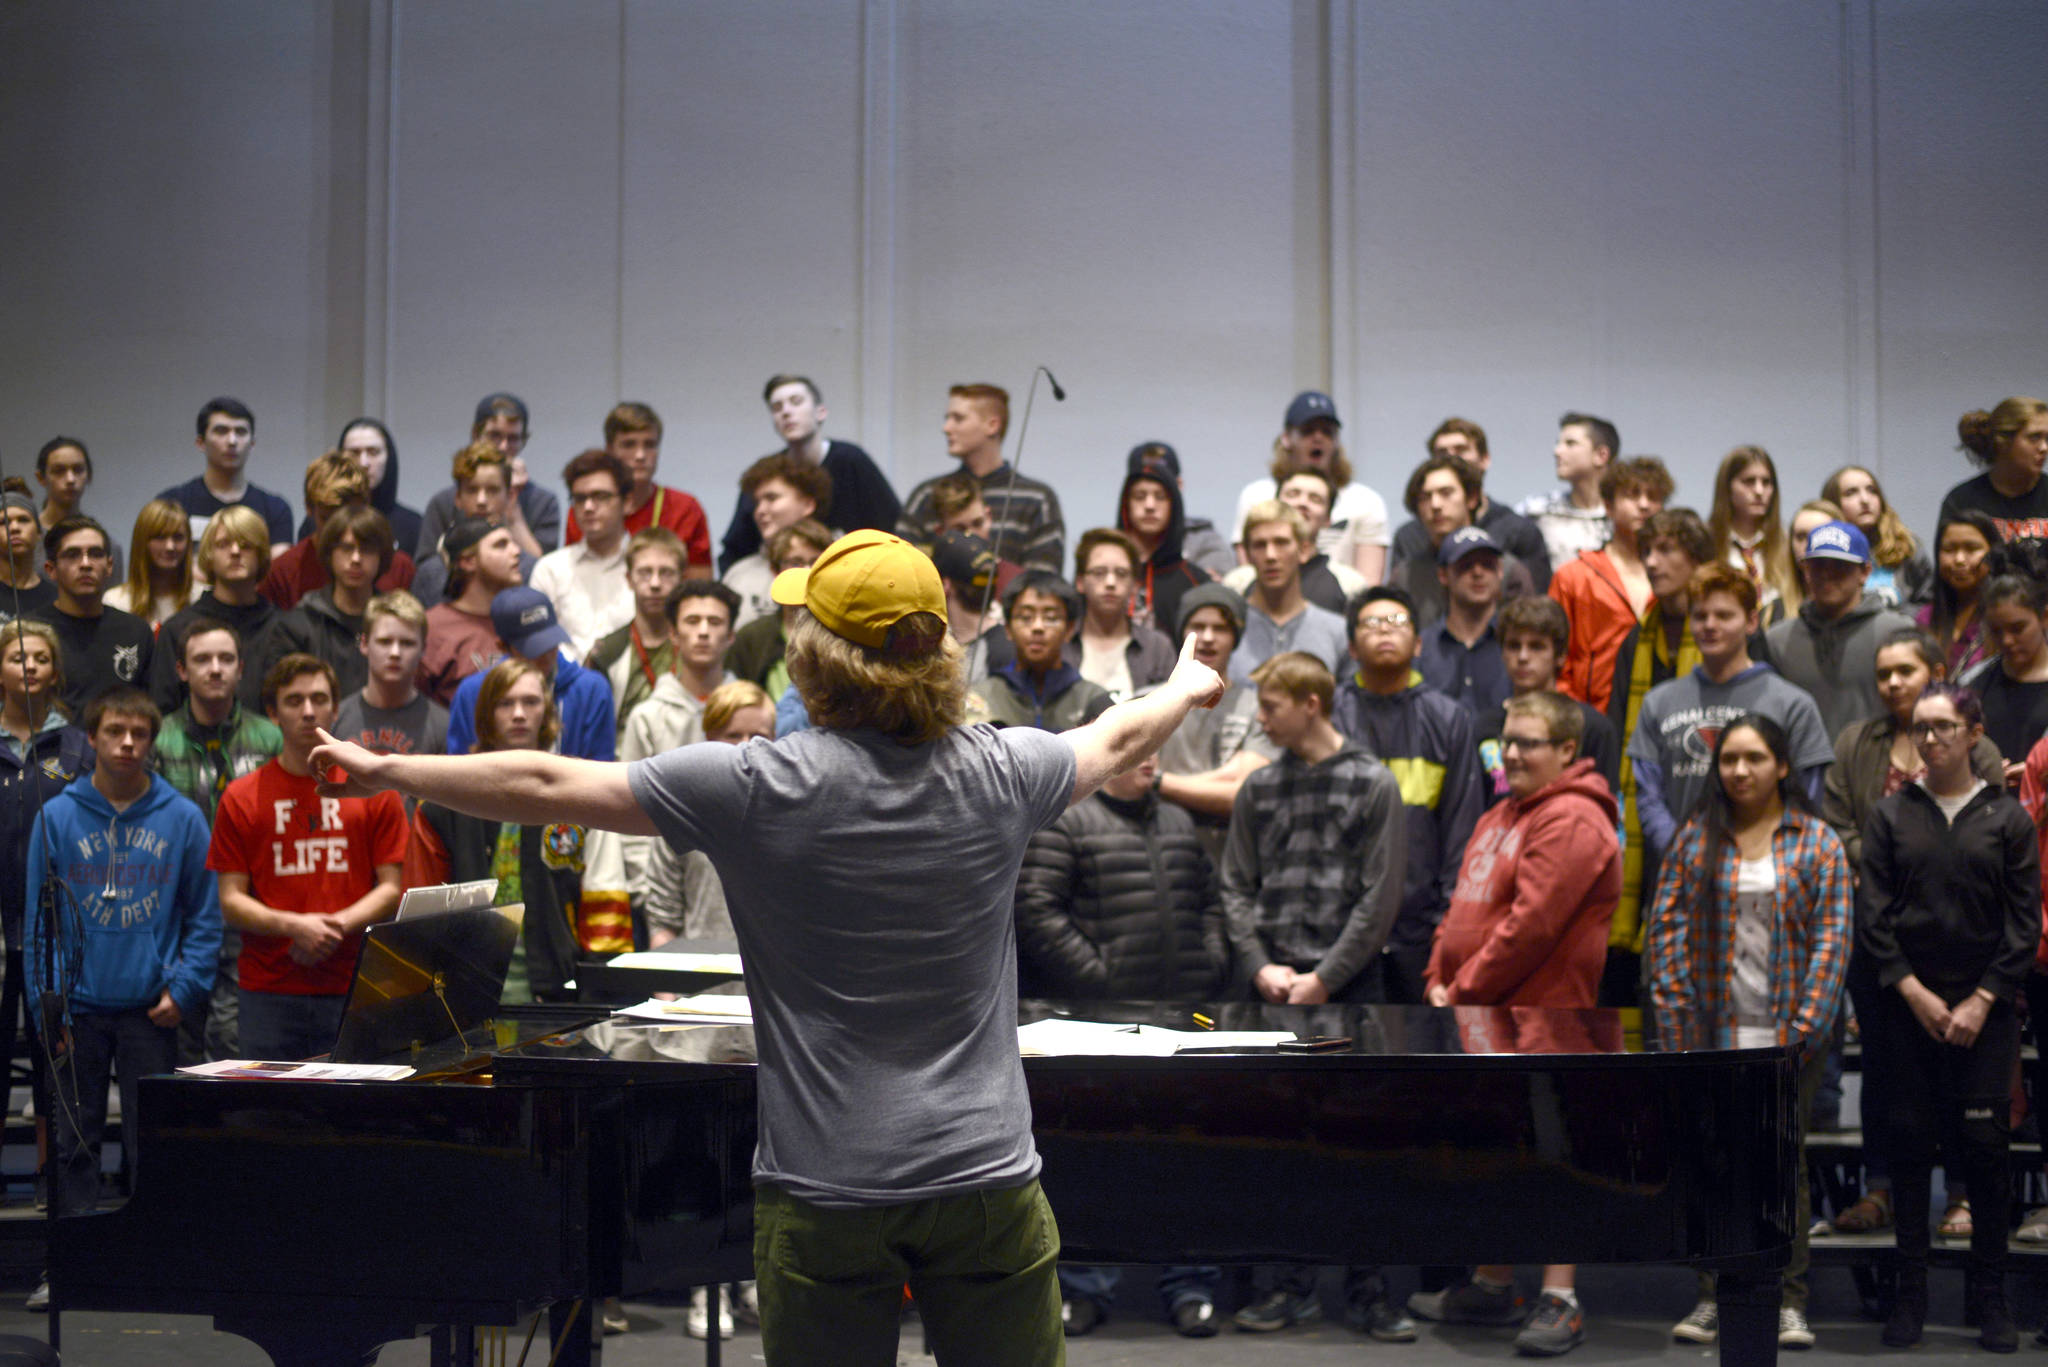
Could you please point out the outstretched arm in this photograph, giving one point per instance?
(527, 787)
(1126, 733)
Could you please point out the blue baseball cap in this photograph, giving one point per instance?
(524, 619)
(1837, 541)
(1464, 542)
(1310, 405)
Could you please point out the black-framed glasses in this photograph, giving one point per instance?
(1934, 730)
(1508, 743)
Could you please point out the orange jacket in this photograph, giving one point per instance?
(1590, 591)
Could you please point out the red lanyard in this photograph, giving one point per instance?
(646, 660)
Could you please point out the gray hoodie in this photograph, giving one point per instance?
(1835, 661)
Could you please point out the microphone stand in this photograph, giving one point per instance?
(1023, 430)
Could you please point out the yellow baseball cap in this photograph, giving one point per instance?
(864, 583)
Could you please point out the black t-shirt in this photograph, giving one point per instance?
(2015, 714)
(32, 602)
(200, 505)
(861, 497)
(108, 651)
(2026, 515)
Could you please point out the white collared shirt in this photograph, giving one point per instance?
(591, 595)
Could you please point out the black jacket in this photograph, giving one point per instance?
(1162, 579)
(55, 758)
(1117, 900)
(550, 878)
(316, 627)
(1957, 906)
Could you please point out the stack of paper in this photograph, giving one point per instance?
(708, 1008)
(680, 963)
(1072, 1038)
(301, 1072)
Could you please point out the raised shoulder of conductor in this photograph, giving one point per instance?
(870, 865)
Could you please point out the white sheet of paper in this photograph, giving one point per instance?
(679, 963)
(711, 1006)
(301, 1072)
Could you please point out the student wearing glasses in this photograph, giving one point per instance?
(1111, 649)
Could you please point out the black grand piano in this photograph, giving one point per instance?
(323, 1219)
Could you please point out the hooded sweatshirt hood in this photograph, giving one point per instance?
(1169, 552)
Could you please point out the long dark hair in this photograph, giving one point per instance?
(1717, 813)
(1943, 618)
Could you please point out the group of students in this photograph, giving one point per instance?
(1419, 720)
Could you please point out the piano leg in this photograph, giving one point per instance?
(1749, 1318)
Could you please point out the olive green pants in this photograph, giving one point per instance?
(983, 1267)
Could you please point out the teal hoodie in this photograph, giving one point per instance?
(137, 906)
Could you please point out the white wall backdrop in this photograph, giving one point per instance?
(1816, 226)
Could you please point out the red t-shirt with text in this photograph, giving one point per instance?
(303, 853)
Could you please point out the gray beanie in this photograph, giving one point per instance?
(1211, 595)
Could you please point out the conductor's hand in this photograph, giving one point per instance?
(1195, 679)
(361, 772)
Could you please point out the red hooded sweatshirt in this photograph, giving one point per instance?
(1527, 925)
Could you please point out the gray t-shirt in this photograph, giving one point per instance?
(1682, 718)
(1315, 630)
(872, 888)
(418, 728)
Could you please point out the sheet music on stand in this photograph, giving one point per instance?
(446, 897)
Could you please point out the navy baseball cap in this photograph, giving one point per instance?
(1309, 405)
(1152, 458)
(964, 561)
(524, 619)
(1464, 542)
(1837, 541)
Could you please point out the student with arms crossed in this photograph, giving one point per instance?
(831, 844)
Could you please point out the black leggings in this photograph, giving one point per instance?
(1958, 1100)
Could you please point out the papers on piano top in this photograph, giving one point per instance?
(317, 1071)
(710, 1008)
(1057, 1038)
(679, 963)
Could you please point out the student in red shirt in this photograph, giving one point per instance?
(632, 432)
(301, 875)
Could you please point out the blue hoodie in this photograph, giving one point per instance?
(583, 700)
(158, 927)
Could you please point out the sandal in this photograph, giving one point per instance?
(1871, 1211)
(1955, 1221)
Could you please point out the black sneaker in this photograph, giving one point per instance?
(1377, 1318)
(1195, 1318)
(1468, 1303)
(1079, 1316)
(1279, 1310)
(1555, 1326)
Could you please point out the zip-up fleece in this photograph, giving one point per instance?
(147, 911)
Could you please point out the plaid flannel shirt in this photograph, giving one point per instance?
(1691, 940)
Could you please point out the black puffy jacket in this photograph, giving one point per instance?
(1118, 901)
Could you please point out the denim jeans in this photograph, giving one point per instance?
(981, 1266)
(1177, 1283)
(103, 1044)
(288, 1026)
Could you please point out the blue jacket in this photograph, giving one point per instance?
(143, 920)
(583, 697)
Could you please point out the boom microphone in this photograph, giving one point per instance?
(1023, 431)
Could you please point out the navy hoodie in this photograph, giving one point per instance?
(144, 913)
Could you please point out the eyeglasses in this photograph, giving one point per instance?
(1934, 730)
(1508, 743)
(1386, 621)
(595, 496)
(1108, 574)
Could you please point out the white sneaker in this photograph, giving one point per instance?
(746, 1306)
(39, 1299)
(1702, 1325)
(1793, 1330)
(697, 1323)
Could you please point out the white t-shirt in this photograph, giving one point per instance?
(1756, 926)
(1109, 666)
(1951, 807)
(1359, 519)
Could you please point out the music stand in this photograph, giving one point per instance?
(427, 980)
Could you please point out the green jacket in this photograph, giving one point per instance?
(202, 772)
